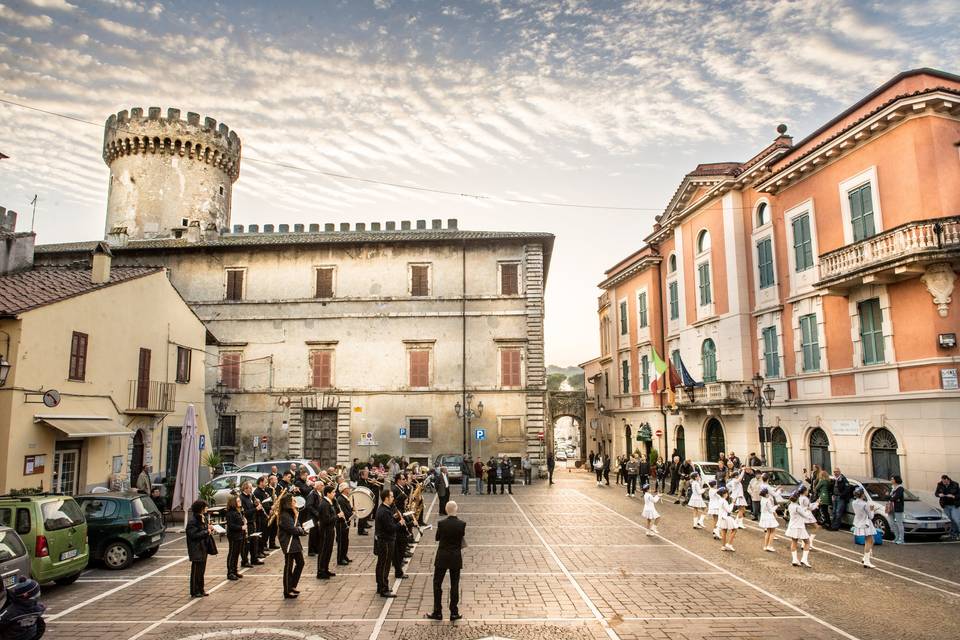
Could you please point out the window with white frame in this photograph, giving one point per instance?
(509, 278)
(861, 212)
(860, 206)
(810, 342)
(765, 262)
(625, 375)
(771, 355)
(672, 263)
(763, 214)
(624, 327)
(642, 310)
(871, 331)
(673, 291)
(645, 372)
(802, 242)
(703, 241)
(708, 354)
(703, 284)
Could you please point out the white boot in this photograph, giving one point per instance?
(793, 557)
(716, 533)
(740, 523)
(866, 560)
(810, 542)
(701, 521)
(696, 523)
(803, 560)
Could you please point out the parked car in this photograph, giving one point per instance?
(263, 468)
(452, 462)
(52, 528)
(14, 559)
(561, 456)
(225, 484)
(121, 526)
(707, 470)
(919, 518)
(226, 467)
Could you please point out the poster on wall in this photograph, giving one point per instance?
(948, 379)
(845, 427)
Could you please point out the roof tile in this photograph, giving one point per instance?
(41, 286)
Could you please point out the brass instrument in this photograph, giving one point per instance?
(275, 509)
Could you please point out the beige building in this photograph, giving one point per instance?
(104, 361)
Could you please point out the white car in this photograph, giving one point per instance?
(561, 456)
(263, 468)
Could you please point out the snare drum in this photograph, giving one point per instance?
(363, 501)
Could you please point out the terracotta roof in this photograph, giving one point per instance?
(41, 286)
(716, 169)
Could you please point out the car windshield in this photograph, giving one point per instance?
(143, 507)
(97, 509)
(881, 491)
(780, 477)
(61, 514)
(709, 468)
(10, 546)
(451, 460)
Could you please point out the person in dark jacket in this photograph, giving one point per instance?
(948, 493)
(265, 497)
(551, 465)
(385, 529)
(311, 511)
(842, 492)
(21, 616)
(198, 531)
(236, 532)
(896, 500)
(465, 465)
(443, 488)
(674, 475)
(328, 530)
(450, 534)
(506, 475)
(345, 509)
(250, 554)
(289, 532)
(606, 470)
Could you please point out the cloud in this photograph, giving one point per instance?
(61, 5)
(41, 22)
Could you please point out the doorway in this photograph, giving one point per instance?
(780, 457)
(715, 440)
(883, 451)
(820, 449)
(681, 445)
(136, 457)
(66, 468)
(320, 436)
(628, 432)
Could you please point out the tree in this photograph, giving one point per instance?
(554, 380)
(576, 381)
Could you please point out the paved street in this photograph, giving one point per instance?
(568, 561)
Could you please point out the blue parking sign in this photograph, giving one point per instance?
(403, 432)
(203, 442)
(481, 434)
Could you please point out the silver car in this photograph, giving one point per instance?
(224, 485)
(919, 518)
(14, 559)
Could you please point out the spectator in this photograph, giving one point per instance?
(734, 459)
(143, 481)
(685, 470)
(632, 471)
(661, 471)
(598, 467)
(606, 469)
(842, 492)
(821, 492)
(551, 465)
(674, 475)
(591, 458)
(754, 461)
(949, 493)
(478, 475)
(527, 470)
(644, 472)
(895, 508)
(753, 490)
(465, 475)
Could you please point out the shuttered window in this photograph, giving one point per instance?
(510, 368)
(771, 355)
(861, 212)
(234, 284)
(810, 342)
(802, 244)
(230, 369)
(321, 368)
(419, 368)
(625, 375)
(623, 318)
(419, 428)
(325, 282)
(78, 356)
(765, 262)
(871, 331)
(184, 358)
(708, 353)
(509, 278)
(645, 372)
(419, 280)
(674, 291)
(706, 296)
(642, 309)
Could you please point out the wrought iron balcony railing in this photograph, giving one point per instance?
(151, 396)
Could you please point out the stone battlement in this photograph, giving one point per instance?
(131, 132)
(346, 227)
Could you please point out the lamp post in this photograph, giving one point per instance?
(221, 400)
(468, 412)
(757, 396)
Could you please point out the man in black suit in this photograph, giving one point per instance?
(327, 524)
(345, 509)
(450, 534)
(385, 536)
(443, 488)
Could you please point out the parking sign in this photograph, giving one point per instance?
(481, 434)
(403, 432)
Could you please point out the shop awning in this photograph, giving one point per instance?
(85, 426)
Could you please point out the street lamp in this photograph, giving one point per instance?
(221, 400)
(469, 413)
(757, 396)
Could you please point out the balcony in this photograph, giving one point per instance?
(724, 396)
(150, 397)
(898, 254)
(603, 300)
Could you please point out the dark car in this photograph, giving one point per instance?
(121, 526)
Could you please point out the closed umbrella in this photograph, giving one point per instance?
(187, 489)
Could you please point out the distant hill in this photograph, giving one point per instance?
(567, 371)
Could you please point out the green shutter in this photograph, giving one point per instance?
(765, 262)
(810, 342)
(802, 246)
(642, 304)
(623, 318)
(674, 301)
(645, 372)
(708, 353)
(871, 331)
(626, 376)
(771, 356)
(861, 212)
(705, 295)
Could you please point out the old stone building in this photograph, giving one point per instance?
(335, 336)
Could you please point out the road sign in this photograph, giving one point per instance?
(264, 443)
(659, 432)
(540, 434)
(256, 442)
(403, 433)
(481, 434)
(203, 442)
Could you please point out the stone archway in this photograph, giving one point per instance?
(571, 404)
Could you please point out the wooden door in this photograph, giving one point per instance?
(320, 436)
(143, 380)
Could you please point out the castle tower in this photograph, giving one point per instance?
(167, 174)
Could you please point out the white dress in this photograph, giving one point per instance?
(696, 495)
(649, 510)
(768, 513)
(808, 516)
(714, 507)
(726, 520)
(797, 527)
(863, 518)
(735, 487)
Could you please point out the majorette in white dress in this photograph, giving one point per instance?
(735, 487)
(797, 527)
(768, 513)
(863, 518)
(726, 521)
(696, 495)
(714, 507)
(808, 516)
(649, 510)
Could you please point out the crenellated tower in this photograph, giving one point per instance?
(167, 174)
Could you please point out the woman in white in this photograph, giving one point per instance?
(713, 509)
(768, 518)
(650, 498)
(863, 524)
(696, 500)
(797, 528)
(735, 486)
(809, 518)
(726, 521)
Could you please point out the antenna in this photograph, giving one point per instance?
(33, 218)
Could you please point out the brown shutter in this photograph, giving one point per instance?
(230, 370)
(78, 356)
(420, 280)
(509, 282)
(183, 364)
(235, 284)
(420, 368)
(510, 367)
(320, 369)
(325, 283)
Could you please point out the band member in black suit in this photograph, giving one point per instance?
(311, 511)
(250, 555)
(236, 532)
(385, 535)
(506, 475)
(272, 491)
(327, 524)
(450, 533)
(443, 488)
(290, 532)
(260, 494)
(302, 482)
(198, 531)
(343, 524)
(286, 481)
(403, 535)
(366, 481)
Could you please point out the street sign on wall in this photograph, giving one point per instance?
(403, 433)
(203, 442)
(481, 434)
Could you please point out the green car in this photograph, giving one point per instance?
(54, 531)
(121, 526)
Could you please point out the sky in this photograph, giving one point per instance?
(597, 103)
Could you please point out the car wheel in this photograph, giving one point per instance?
(117, 555)
(882, 525)
(63, 582)
(149, 553)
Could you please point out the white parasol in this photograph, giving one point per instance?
(187, 488)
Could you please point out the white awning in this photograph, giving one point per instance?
(85, 426)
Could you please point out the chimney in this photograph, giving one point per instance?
(100, 263)
(194, 233)
(8, 220)
(118, 236)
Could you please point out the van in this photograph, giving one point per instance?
(54, 531)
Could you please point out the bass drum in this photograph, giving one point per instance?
(363, 502)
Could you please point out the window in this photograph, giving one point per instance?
(78, 356)
(810, 342)
(321, 368)
(419, 280)
(645, 372)
(230, 369)
(625, 375)
(235, 284)
(324, 282)
(509, 278)
(703, 270)
(672, 263)
(771, 357)
(59, 514)
(763, 214)
(510, 368)
(623, 318)
(228, 431)
(675, 359)
(419, 428)
(861, 212)
(511, 428)
(871, 331)
(184, 358)
(703, 241)
(765, 262)
(674, 292)
(606, 384)
(642, 309)
(802, 245)
(419, 368)
(708, 352)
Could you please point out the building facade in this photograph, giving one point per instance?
(827, 267)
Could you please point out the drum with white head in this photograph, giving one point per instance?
(363, 501)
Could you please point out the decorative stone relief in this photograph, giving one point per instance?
(939, 279)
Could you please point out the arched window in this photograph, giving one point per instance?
(628, 433)
(672, 263)
(708, 353)
(703, 241)
(781, 460)
(883, 451)
(763, 214)
(715, 441)
(820, 449)
(681, 443)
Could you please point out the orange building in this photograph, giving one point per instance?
(827, 267)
